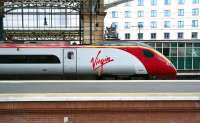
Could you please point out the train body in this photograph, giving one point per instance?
(95, 60)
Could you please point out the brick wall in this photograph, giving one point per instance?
(18, 117)
(101, 112)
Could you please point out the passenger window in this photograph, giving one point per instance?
(148, 54)
(70, 55)
(29, 59)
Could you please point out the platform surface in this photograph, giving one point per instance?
(99, 90)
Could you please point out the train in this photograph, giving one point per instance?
(105, 59)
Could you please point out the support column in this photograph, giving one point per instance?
(1, 21)
(94, 24)
(91, 20)
(99, 27)
(80, 23)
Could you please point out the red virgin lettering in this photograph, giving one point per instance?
(99, 63)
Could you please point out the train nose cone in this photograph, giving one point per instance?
(167, 72)
(172, 71)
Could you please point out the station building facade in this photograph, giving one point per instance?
(170, 26)
(156, 20)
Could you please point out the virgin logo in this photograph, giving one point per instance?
(98, 63)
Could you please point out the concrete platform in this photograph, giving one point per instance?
(99, 90)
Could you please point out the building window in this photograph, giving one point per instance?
(153, 24)
(180, 12)
(195, 1)
(180, 35)
(166, 24)
(127, 35)
(194, 23)
(140, 24)
(127, 14)
(114, 25)
(127, 25)
(140, 13)
(194, 35)
(180, 24)
(153, 2)
(166, 35)
(167, 2)
(153, 13)
(166, 13)
(181, 2)
(195, 11)
(153, 35)
(140, 35)
(114, 14)
(140, 2)
(127, 4)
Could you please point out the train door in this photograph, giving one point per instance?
(70, 61)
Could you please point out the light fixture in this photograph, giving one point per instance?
(45, 18)
(45, 21)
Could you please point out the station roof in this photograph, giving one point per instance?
(107, 3)
(112, 3)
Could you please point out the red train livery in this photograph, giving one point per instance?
(105, 59)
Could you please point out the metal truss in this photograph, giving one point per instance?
(111, 3)
(72, 7)
(10, 5)
(43, 35)
(75, 7)
(69, 4)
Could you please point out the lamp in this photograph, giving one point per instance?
(45, 18)
(45, 21)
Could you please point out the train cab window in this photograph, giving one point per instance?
(148, 54)
(29, 59)
(70, 55)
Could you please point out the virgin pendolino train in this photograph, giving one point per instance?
(101, 60)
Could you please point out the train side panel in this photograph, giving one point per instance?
(107, 61)
(70, 61)
(31, 61)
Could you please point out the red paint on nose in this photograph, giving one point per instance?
(167, 71)
(157, 66)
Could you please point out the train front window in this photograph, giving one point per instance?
(148, 54)
(29, 59)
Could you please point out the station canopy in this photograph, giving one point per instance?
(112, 3)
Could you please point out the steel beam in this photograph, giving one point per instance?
(90, 5)
(77, 7)
(1, 22)
(109, 4)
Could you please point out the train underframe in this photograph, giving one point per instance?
(75, 77)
